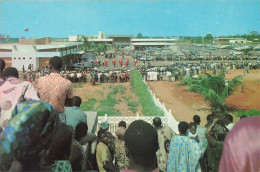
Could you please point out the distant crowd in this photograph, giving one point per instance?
(42, 128)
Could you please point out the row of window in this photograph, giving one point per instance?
(19, 58)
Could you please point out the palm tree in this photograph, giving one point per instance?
(215, 89)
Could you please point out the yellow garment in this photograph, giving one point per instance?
(102, 155)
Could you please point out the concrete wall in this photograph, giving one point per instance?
(41, 41)
(23, 55)
(43, 62)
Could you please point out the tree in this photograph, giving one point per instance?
(208, 37)
(86, 44)
(254, 33)
(139, 35)
(214, 89)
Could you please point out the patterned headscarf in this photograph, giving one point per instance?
(28, 133)
(104, 125)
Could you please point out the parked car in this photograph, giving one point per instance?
(83, 65)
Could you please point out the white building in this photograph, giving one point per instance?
(36, 51)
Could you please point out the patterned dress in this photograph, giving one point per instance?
(54, 89)
(164, 135)
(184, 155)
(122, 162)
(61, 166)
(10, 94)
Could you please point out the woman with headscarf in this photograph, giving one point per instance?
(121, 160)
(28, 135)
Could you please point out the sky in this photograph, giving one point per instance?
(61, 18)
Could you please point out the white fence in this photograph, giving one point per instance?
(167, 119)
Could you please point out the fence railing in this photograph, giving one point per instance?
(167, 119)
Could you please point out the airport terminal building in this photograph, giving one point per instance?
(37, 52)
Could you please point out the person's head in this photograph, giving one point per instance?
(81, 130)
(243, 116)
(192, 127)
(60, 147)
(122, 124)
(102, 137)
(183, 127)
(104, 126)
(230, 118)
(196, 119)
(120, 132)
(141, 141)
(77, 101)
(157, 122)
(2, 65)
(55, 63)
(10, 72)
(28, 133)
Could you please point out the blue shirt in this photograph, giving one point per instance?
(74, 115)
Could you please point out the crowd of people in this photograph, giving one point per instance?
(44, 129)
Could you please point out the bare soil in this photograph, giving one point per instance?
(183, 104)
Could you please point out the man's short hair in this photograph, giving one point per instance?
(183, 127)
(2, 65)
(196, 119)
(157, 122)
(81, 130)
(11, 72)
(122, 124)
(141, 140)
(56, 62)
(77, 101)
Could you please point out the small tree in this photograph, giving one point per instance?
(214, 89)
(139, 35)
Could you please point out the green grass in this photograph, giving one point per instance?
(145, 99)
(78, 85)
(100, 92)
(133, 105)
(89, 105)
(251, 112)
(106, 105)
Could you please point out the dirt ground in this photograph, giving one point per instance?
(183, 104)
(100, 91)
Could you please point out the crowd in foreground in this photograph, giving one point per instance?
(44, 129)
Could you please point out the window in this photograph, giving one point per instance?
(30, 58)
(19, 58)
(24, 58)
(14, 58)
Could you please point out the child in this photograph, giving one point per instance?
(191, 132)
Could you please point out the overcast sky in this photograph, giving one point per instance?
(61, 18)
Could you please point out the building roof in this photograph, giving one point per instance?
(152, 43)
(120, 36)
(46, 46)
(230, 38)
(152, 40)
(101, 40)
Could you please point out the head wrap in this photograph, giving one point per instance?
(120, 132)
(104, 125)
(28, 133)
